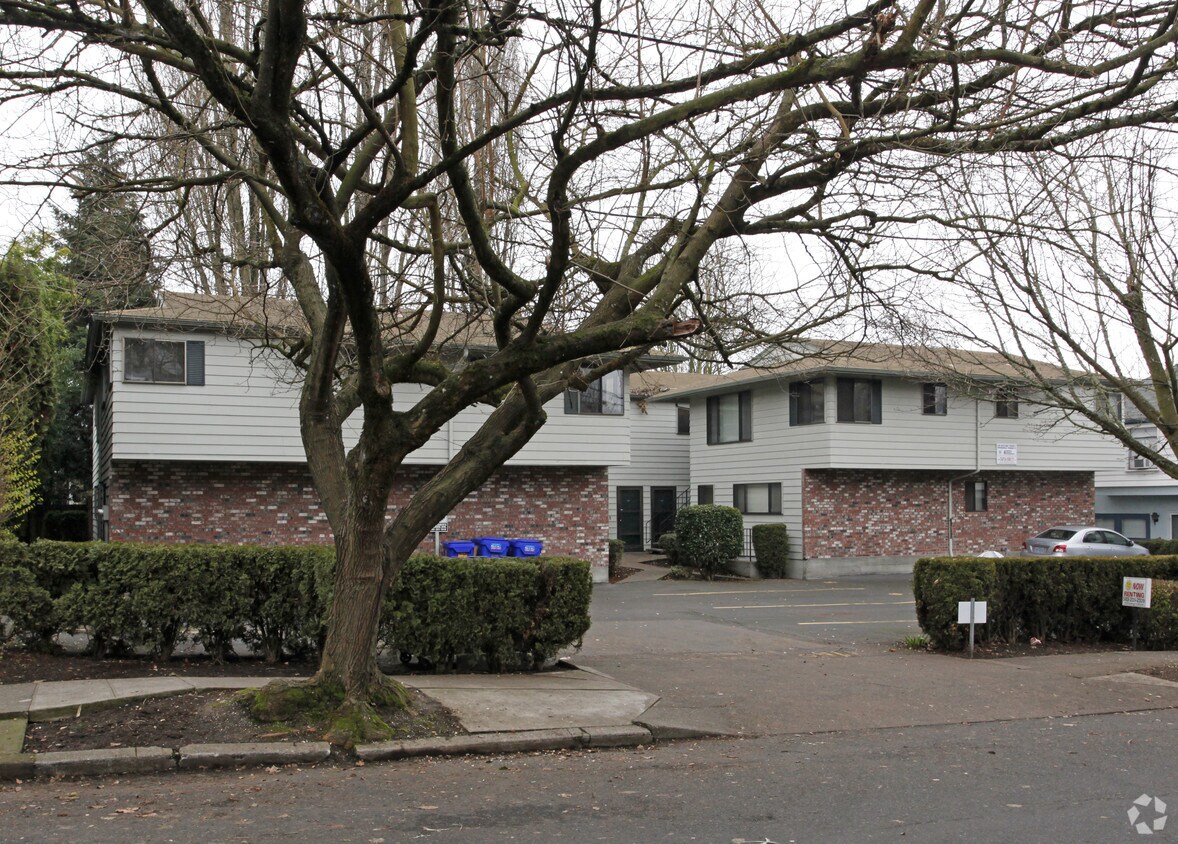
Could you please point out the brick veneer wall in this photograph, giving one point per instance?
(854, 513)
(276, 504)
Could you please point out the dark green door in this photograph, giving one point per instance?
(630, 517)
(662, 511)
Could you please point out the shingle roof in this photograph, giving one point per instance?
(275, 316)
(655, 382)
(813, 358)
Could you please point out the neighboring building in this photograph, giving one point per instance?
(1134, 496)
(196, 439)
(645, 493)
(873, 458)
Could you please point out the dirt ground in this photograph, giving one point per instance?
(190, 718)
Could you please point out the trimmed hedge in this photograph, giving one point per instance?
(616, 549)
(708, 536)
(494, 608)
(1160, 547)
(1159, 624)
(1069, 599)
(771, 549)
(131, 596)
(669, 545)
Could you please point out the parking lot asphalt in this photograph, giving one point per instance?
(781, 657)
(668, 615)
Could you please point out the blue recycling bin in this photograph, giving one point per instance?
(525, 548)
(458, 548)
(490, 546)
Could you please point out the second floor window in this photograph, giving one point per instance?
(860, 400)
(935, 399)
(148, 361)
(807, 402)
(730, 418)
(1137, 461)
(604, 396)
(1006, 405)
(683, 420)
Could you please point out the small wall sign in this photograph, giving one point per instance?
(1006, 454)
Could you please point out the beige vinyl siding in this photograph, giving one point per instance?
(248, 410)
(1118, 474)
(659, 457)
(906, 438)
(776, 454)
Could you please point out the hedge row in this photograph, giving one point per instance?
(129, 596)
(1069, 599)
(1160, 547)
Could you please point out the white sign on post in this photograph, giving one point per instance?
(1137, 592)
(443, 526)
(979, 612)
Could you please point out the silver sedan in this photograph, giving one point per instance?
(1075, 541)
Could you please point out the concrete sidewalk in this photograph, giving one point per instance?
(501, 713)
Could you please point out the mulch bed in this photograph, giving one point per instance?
(189, 718)
(18, 666)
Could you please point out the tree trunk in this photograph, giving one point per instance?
(349, 655)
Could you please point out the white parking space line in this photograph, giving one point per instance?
(756, 591)
(832, 623)
(800, 606)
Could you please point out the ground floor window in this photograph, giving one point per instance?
(977, 495)
(1132, 525)
(757, 499)
(704, 494)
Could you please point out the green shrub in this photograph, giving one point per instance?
(130, 596)
(289, 591)
(28, 608)
(771, 549)
(494, 608)
(47, 570)
(939, 583)
(1070, 599)
(708, 536)
(1160, 547)
(669, 545)
(616, 549)
(1159, 623)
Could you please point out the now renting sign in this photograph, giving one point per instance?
(1137, 592)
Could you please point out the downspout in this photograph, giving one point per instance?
(977, 462)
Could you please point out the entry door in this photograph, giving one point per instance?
(630, 517)
(662, 511)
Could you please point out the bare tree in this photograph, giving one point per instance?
(559, 176)
(1068, 272)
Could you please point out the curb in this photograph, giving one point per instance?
(143, 760)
